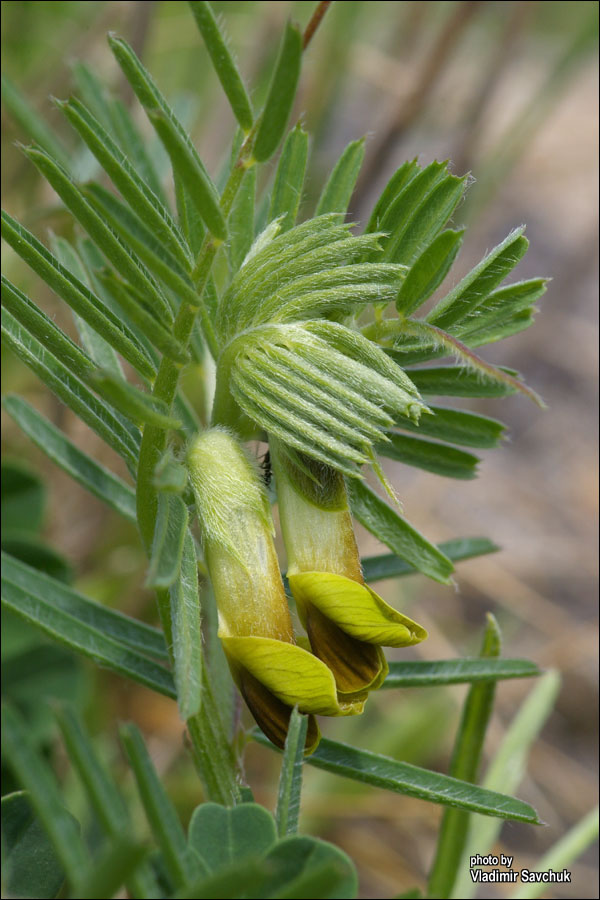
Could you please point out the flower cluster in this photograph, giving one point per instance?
(346, 622)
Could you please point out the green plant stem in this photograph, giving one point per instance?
(154, 440)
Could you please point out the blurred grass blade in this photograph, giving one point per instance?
(106, 802)
(184, 158)
(137, 405)
(290, 778)
(69, 389)
(116, 866)
(169, 535)
(335, 196)
(78, 635)
(438, 458)
(465, 762)
(388, 565)
(506, 771)
(457, 427)
(563, 853)
(98, 349)
(456, 381)
(32, 123)
(240, 222)
(280, 97)
(390, 528)
(76, 294)
(286, 194)
(224, 64)
(160, 812)
(423, 673)
(133, 634)
(474, 288)
(101, 789)
(105, 239)
(413, 781)
(126, 179)
(428, 271)
(34, 774)
(187, 633)
(81, 467)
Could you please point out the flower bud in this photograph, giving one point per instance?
(271, 671)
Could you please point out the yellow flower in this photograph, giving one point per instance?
(347, 623)
(271, 671)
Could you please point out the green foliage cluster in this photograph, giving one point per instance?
(314, 332)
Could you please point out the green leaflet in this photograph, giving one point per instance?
(280, 97)
(85, 639)
(458, 427)
(98, 349)
(126, 178)
(132, 304)
(336, 194)
(458, 381)
(139, 238)
(286, 194)
(169, 537)
(438, 458)
(501, 305)
(76, 294)
(114, 625)
(399, 180)
(184, 158)
(403, 778)
(137, 405)
(415, 231)
(119, 255)
(100, 417)
(186, 619)
(387, 565)
(391, 528)
(221, 837)
(423, 673)
(240, 223)
(85, 470)
(428, 271)
(473, 290)
(290, 778)
(414, 191)
(223, 62)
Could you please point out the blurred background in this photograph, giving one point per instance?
(508, 91)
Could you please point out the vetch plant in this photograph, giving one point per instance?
(313, 330)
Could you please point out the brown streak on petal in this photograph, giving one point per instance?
(355, 664)
(271, 715)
